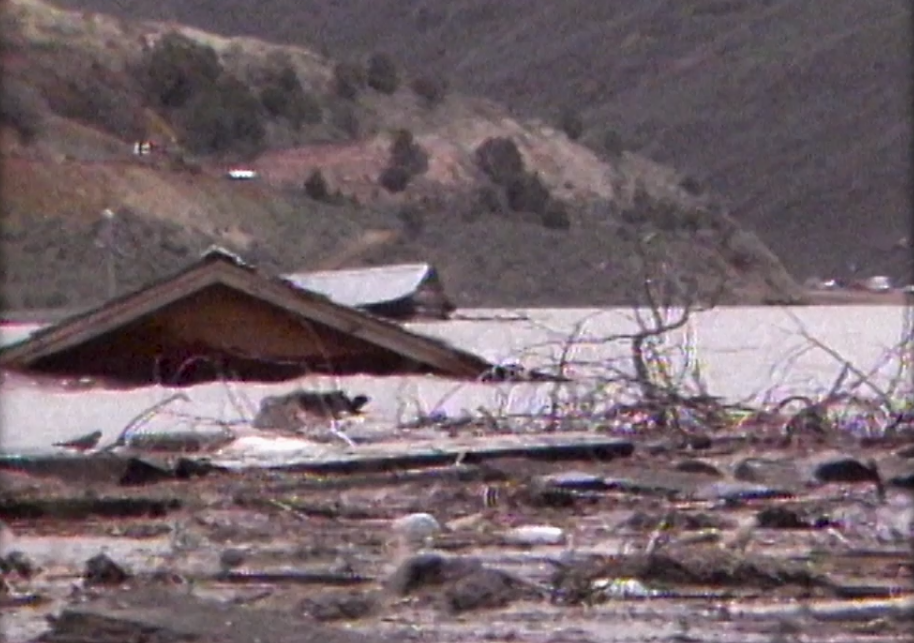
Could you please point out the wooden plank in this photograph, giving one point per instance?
(158, 615)
(403, 454)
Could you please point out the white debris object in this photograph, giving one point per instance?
(239, 174)
(623, 588)
(535, 535)
(417, 526)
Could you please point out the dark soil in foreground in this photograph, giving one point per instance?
(731, 537)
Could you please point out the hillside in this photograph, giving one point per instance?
(357, 162)
(797, 115)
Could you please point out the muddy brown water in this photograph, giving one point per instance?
(276, 552)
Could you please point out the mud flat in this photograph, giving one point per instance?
(671, 539)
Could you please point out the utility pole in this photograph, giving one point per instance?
(108, 243)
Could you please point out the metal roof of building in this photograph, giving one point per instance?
(14, 333)
(364, 286)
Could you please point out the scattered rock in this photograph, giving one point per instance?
(101, 570)
(484, 588)
(535, 535)
(736, 491)
(429, 569)
(698, 466)
(341, 606)
(416, 528)
(232, 558)
(18, 563)
(842, 468)
(694, 565)
(144, 471)
(291, 411)
(465, 584)
(783, 517)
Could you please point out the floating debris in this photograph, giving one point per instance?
(535, 535)
(611, 588)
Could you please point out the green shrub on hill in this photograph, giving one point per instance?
(527, 193)
(345, 118)
(500, 160)
(348, 80)
(556, 216)
(571, 122)
(432, 90)
(226, 116)
(283, 96)
(177, 68)
(406, 153)
(395, 179)
(381, 74)
(21, 108)
(612, 145)
(316, 186)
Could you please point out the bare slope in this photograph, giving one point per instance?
(559, 228)
(796, 112)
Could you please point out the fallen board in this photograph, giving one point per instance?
(405, 454)
(130, 466)
(150, 615)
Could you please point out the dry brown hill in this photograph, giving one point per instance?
(539, 219)
(797, 111)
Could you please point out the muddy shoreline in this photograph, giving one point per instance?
(667, 540)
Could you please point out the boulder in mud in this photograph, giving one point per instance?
(484, 588)
(416, 528)
(706, 566)
(101, 570)
(842, 468)
(456, 584)
(232, 558)
(16, 562)
(292, 411)
(429, 569)
(341, 606)
(693, 465)
(784, 517)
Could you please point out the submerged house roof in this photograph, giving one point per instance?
(378, 289)
(221, 318)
